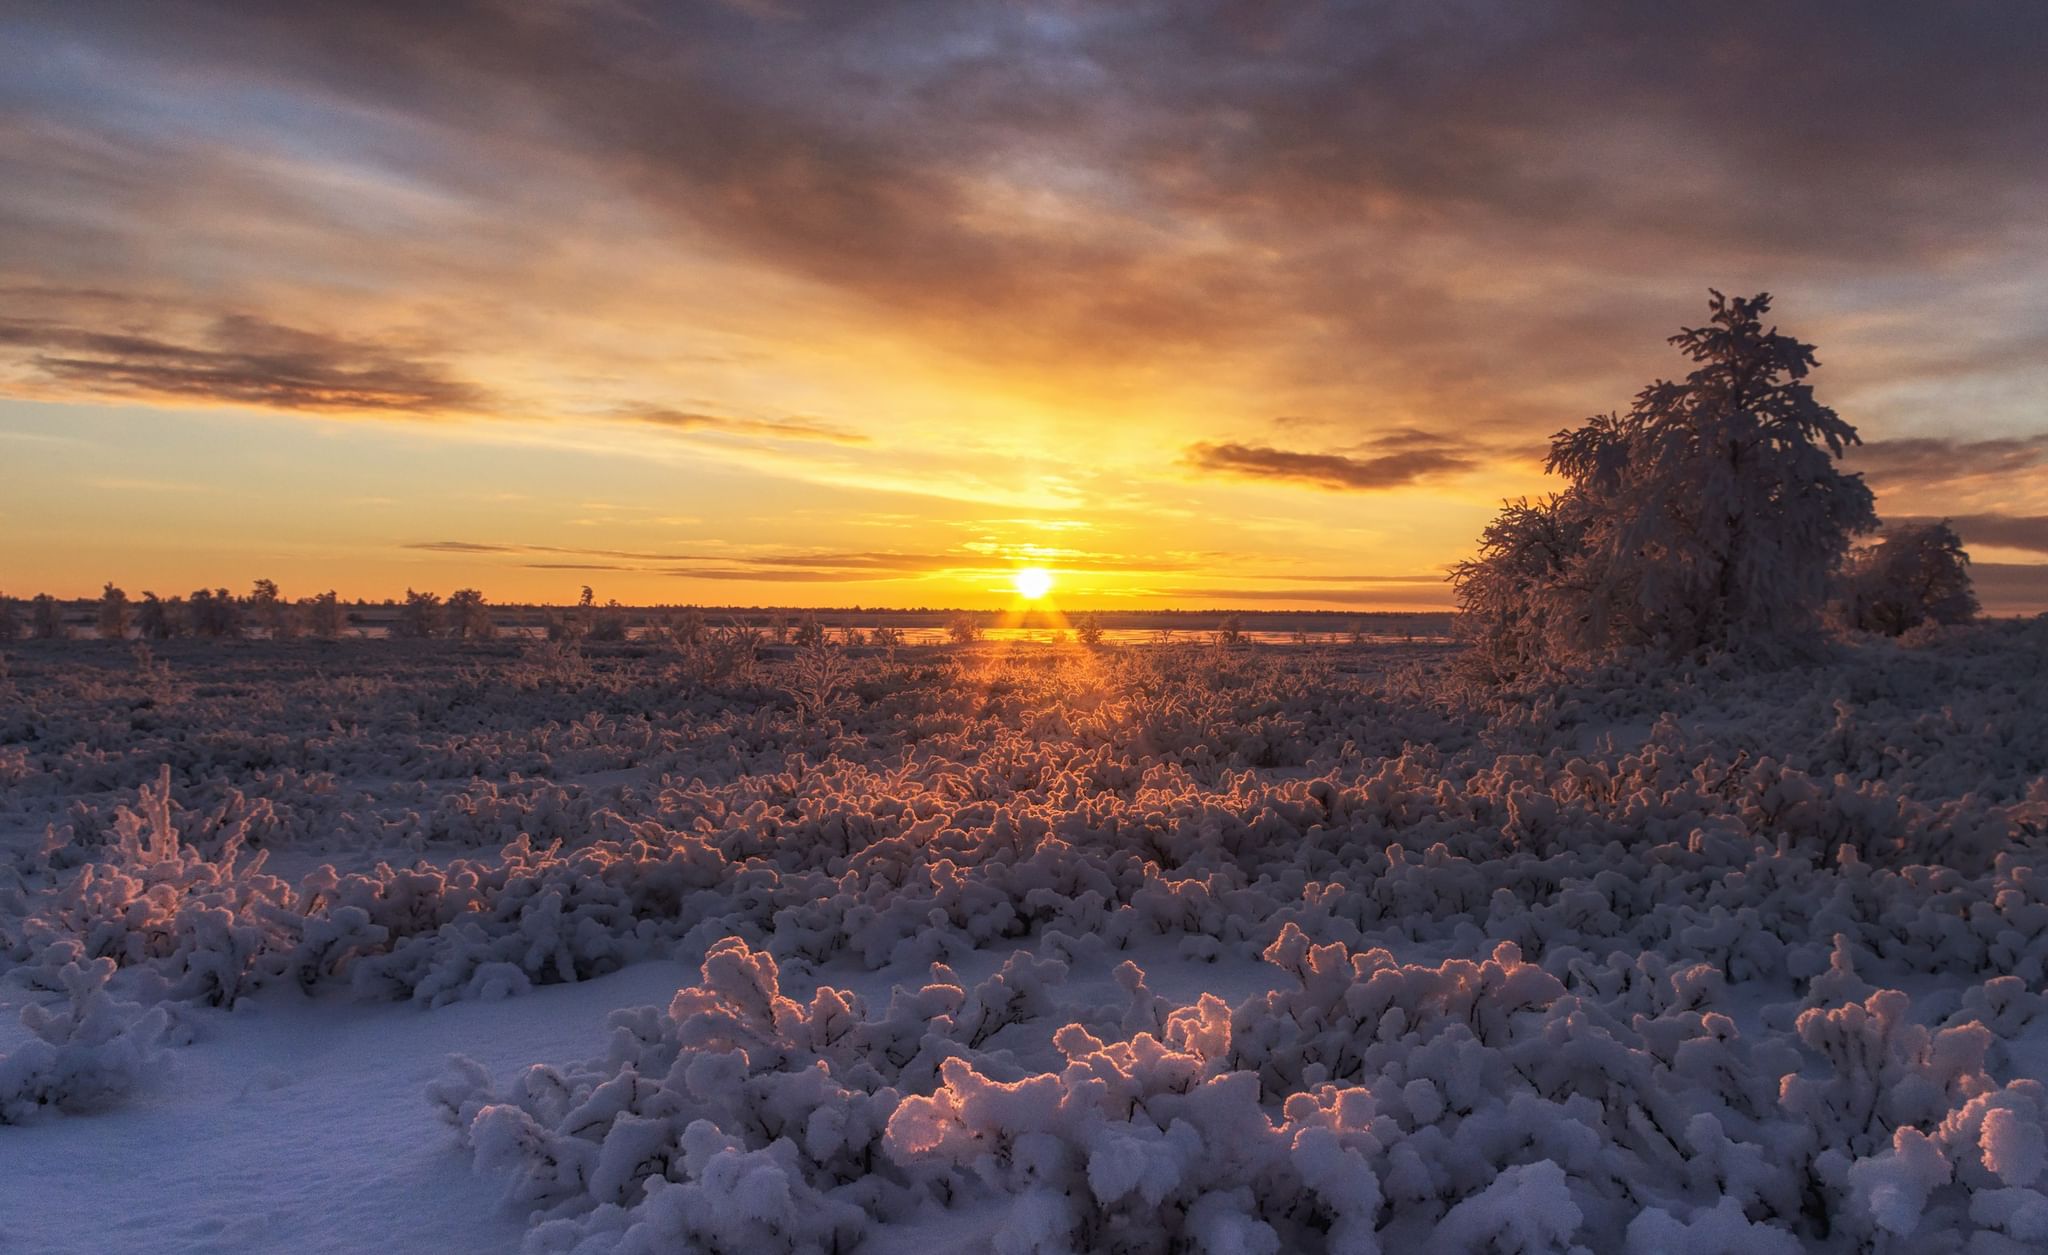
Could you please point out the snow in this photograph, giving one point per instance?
(298, 1124)
(411, 945)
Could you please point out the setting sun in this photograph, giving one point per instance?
(1032, 582)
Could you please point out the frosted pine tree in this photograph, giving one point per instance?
(1711, 515)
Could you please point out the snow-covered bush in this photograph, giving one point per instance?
(83, 1056)
(1914, 574)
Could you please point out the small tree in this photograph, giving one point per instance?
(215, 614)
(1914, 574)
(271, 612)
(1088, 630)
(323, 615)
(46, 619)
(469, 617)
(113, 620)
(963, 629)
(1711, 515)
(10, 619)
(158, 620)
(419, 618)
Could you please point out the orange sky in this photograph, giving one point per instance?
(771, 303)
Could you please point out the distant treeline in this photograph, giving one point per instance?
(466, 614)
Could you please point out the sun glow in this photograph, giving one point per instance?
(1032, 582)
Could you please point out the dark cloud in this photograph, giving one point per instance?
(1475, 212)
(770, 428)
(2011, 587)
(2005, 531)
(1325, 470)
(1112, 181)
(1926, 460)
(242, 361)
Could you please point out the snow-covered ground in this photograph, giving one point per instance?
(382, 946)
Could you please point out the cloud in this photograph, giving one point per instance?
(242, 361)
(1924, 460)
(774, 429)
(1325, 470)
(2004, 531)
(2011, 587)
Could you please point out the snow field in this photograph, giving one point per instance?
(1044, 949)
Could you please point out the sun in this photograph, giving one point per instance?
(1032, 582)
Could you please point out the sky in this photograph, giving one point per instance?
(780, 302)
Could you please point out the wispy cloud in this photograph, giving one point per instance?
(1326, 470)
(1928, 460)
(241, 360)
(768, 428)
(2004, 531)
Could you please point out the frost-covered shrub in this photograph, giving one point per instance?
(1607, 963)
(84, 1056)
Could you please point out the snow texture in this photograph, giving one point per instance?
(1030, 949)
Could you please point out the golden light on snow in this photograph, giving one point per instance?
(1032, 582)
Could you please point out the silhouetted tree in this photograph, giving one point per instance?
(158, 620)
(271, 612)
(46, 619)
(1914, 574)
(964, 629)
(113, 617)
(1088, 630)
(419, 618)
(216, 614)
(323, 615)
(470, 617)
(10, 620)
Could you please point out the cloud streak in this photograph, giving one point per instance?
(2004, 531)
(243, 360)
(1325, 470)
(769, 428)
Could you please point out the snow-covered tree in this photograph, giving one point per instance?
(1711, 515)
(1509, 592)
(1914, 574)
